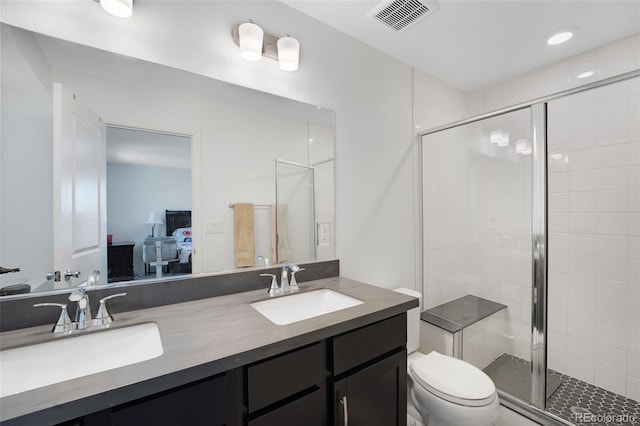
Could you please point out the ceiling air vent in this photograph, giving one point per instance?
(402, 14)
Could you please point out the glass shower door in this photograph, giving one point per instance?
(294, 212)
(477, 240)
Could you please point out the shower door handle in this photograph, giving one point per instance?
(345, 411)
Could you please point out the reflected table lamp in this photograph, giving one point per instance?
(154, 219)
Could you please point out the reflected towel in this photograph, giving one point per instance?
(244, 248)
(280, 244)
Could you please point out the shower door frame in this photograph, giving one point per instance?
(536, 406)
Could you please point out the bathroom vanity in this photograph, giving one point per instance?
(224, 363)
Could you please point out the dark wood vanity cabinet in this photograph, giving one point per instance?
(306, 386)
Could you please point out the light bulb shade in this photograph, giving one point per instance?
(119, 8)
(155, 218)
(250, 36)
(504, 141)
(495, 136)
(288, 53)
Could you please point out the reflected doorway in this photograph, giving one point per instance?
(149, 203)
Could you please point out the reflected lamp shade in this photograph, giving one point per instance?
(154, 219)
(288, 53)
(119, 8)
(250, 38)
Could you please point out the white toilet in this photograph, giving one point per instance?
(445, 391)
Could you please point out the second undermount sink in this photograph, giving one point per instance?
(70, 357)
(300, 306)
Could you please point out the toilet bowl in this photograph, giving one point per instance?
(445, 391)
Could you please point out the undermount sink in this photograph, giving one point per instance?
(300, 306)
(70, 357)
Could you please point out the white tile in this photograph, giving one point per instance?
(613, 201)
(558, 242)
(613, 133)
(558, 321)
(613, 246)
(581, 307)
(612, 91)
(582, 286)
(613, 156)
(582, 265)
(581, 349)
(558, 182)
(580, 369)
(610, 380)
(633, 388)
(611, 313)
(634, 153)
(634, 223)
(613, 223)
(611, 110)
(559, 202)
(613, 178)
(634, 200)
(614, 58)
(609, 335)
(584, 202)
(583, 244)
(581, 328)
(633, 318)
(634, 177)
(613, 359)
(633, 271)
(557, 302)
(584, 180)
(634, 248)
(633, 341)
(633, 364)
(612, 291)
(583, 159)
(558, 341)
(558, 262)
(558, 161)
(583, 137)
(557, 360)
(511, 418)
(583, 223)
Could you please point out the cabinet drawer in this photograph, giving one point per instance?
(359, 346)
(280, 377)
(307, 411)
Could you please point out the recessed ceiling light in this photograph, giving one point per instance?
(586, 74)
(559, 38)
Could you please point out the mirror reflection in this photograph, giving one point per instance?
(171, 173)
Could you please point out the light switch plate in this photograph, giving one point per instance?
(214, 227)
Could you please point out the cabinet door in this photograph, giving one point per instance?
(374, 396)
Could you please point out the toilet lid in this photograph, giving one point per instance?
(453, 379)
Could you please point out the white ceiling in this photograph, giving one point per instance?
(473, 44)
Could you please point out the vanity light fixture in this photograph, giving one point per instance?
(119, 8)
(495, 136)
(255, 43)
(504, 140)
(250, 38)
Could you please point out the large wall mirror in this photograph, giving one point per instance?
(144, 172)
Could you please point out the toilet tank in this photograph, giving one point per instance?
(413, 321)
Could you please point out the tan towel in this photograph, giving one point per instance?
(244, 247)
(280, 244)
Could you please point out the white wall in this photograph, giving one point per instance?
(370, 93)
(135, 190)
(25, 153)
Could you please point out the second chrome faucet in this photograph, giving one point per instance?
(286, 285)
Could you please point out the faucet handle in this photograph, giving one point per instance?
(64, 321)
(103, 317)
(274, 289)
(293, 284)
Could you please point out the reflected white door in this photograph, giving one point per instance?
(79, 196)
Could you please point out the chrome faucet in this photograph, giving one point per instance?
(265, 260)
(285, 286)
(83, 310)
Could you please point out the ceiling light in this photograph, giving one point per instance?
(521, 146)
(586, 74)
(288, 53)
(559, 38)
(250, 37)
(119, 8)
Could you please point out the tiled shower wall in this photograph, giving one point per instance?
(594, 237)
(594, 155)
(602, 349)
